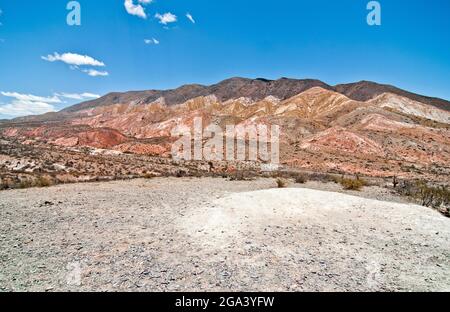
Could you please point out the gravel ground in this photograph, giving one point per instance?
(210, 234)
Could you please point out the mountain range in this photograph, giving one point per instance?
(357, 128)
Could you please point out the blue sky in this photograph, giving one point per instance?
(322, 39)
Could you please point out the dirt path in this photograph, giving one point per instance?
(212, 234)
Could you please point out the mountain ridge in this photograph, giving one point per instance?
(234, 88)
(322, 130)
(231, 88)
(257, 89)
(367, 90)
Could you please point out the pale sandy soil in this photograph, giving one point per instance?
(213, 234)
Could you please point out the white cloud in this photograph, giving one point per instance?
(136, 9)
(77, 60)
(95, 73)
(166, 18)
(78, 96)
(31, 98)
(29, 104)
(73, 59)
(190, 17)
(24, 108)
(151, 41)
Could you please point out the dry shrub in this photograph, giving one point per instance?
(437, 197)
(322, 177)
(148, 176)
(281, 183)
(242, 175)
(352, 184)
(25, 184)
(193, 173)
(434, 197)
(301, 179)
(5, 184)
(336, 179)
(66, 178)
(180, 173)
(43, 181)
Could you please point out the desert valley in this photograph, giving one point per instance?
(360, 200)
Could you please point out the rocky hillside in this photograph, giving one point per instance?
(366, 90)
(362, 128)
(233, 88)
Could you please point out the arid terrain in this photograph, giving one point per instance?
(360, 201)
(363, 128)
(198, 234)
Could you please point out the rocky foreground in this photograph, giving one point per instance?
(187, 234)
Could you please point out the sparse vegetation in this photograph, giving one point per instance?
(26, 166)
(25, 184)
(436, 197)
(243, 175)
(336, 179)
(395, 181)
(281, 183)
(148, 176)
(180, 173)
(4, 184)
(43, 181)
(352, 184)
(301, 179)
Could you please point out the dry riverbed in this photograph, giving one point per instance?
(169, 234)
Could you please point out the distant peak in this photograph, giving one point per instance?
(235, 79)
(264, 79)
